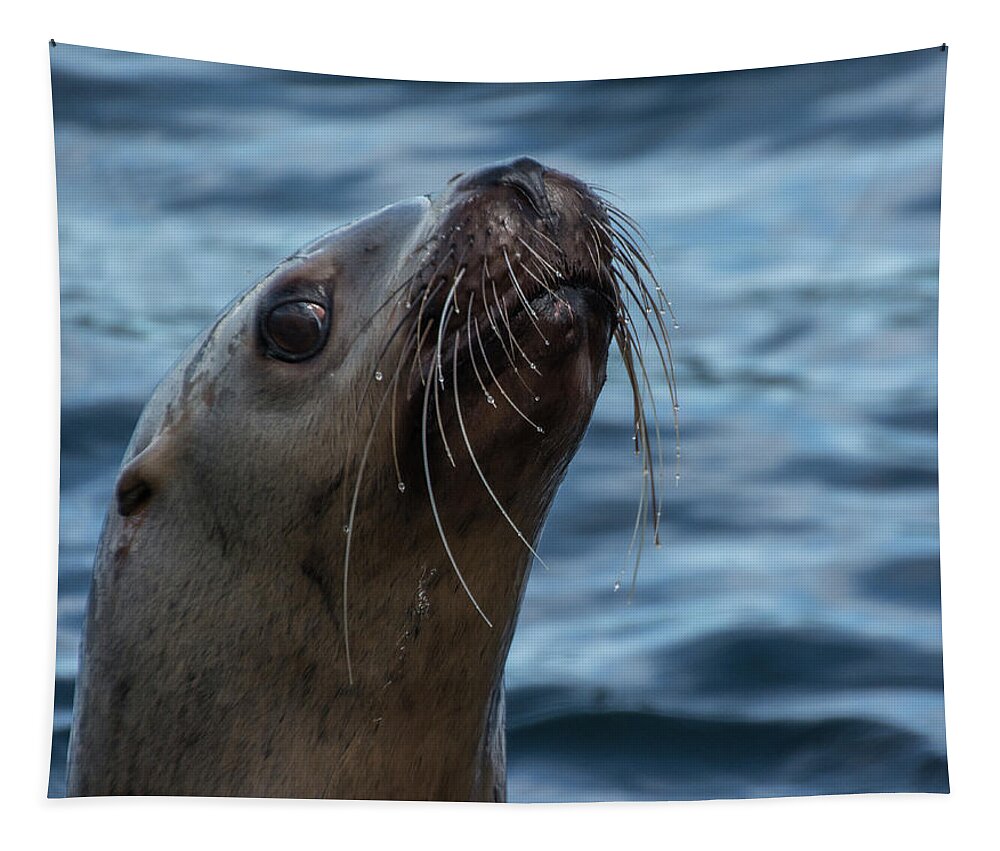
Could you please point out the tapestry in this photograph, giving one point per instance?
(534, 442)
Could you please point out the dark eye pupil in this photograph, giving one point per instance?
(296, 329)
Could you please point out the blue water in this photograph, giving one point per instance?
(786, 640)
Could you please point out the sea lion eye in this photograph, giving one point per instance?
(295, 330)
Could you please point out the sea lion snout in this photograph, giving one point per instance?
(523, 174)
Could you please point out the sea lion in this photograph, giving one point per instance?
(322, 528)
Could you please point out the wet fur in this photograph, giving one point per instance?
(271, 614)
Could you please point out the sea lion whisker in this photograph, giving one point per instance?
(445, 316)
(472, 358)
(628, 255)
(659, 446)
(559, 273)
(400, 484)
(541, 281)
(417, 362)
(434, 509)
(368, 383)
(642, 439)
(668, 373)
(630, 234)
(666, 361)
(630, 248)
(508, 353)
(625, 259)
(489, 316)
(475, 462)
(428, 291)
(597, 243)
(638, 552)
(629, 346)
(671, 385)
(458, 280)
(666, 358)
(538, 232)
(633, 257)
(425, 246)
(537, 254)
(499, 386)
(625, 347)
(616, 213)
(350, 528)
(395, 386)
(504, 317)
(437, 269)
(545, 263)
(593, 259)
(502, 309)
(639, 509)
(625, 222)
(372, 316)
(524, 299)
(603, 190)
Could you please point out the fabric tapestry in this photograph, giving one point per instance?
(531, 442)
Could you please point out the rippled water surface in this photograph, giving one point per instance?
(786, 639)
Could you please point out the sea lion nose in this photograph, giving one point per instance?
(525, 175)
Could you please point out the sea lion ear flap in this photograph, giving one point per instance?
(141, 477)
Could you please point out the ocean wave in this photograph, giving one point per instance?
(639, 755)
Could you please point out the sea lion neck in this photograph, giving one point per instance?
(262, 705)
(428, 683)
(424, 716)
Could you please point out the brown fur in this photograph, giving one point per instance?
(214, 656)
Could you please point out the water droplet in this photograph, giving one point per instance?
(378, 375)
(677, 478)
(402, 487)
(677, 325)
(618, 586)
(347, 530)
(538, 398)
(409, 304)
(491, 400)
(540, 430)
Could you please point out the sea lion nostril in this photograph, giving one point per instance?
(525, 175)
(532, 186)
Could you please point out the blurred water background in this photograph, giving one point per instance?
(786, 639)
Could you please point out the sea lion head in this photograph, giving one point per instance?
(407, 388)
